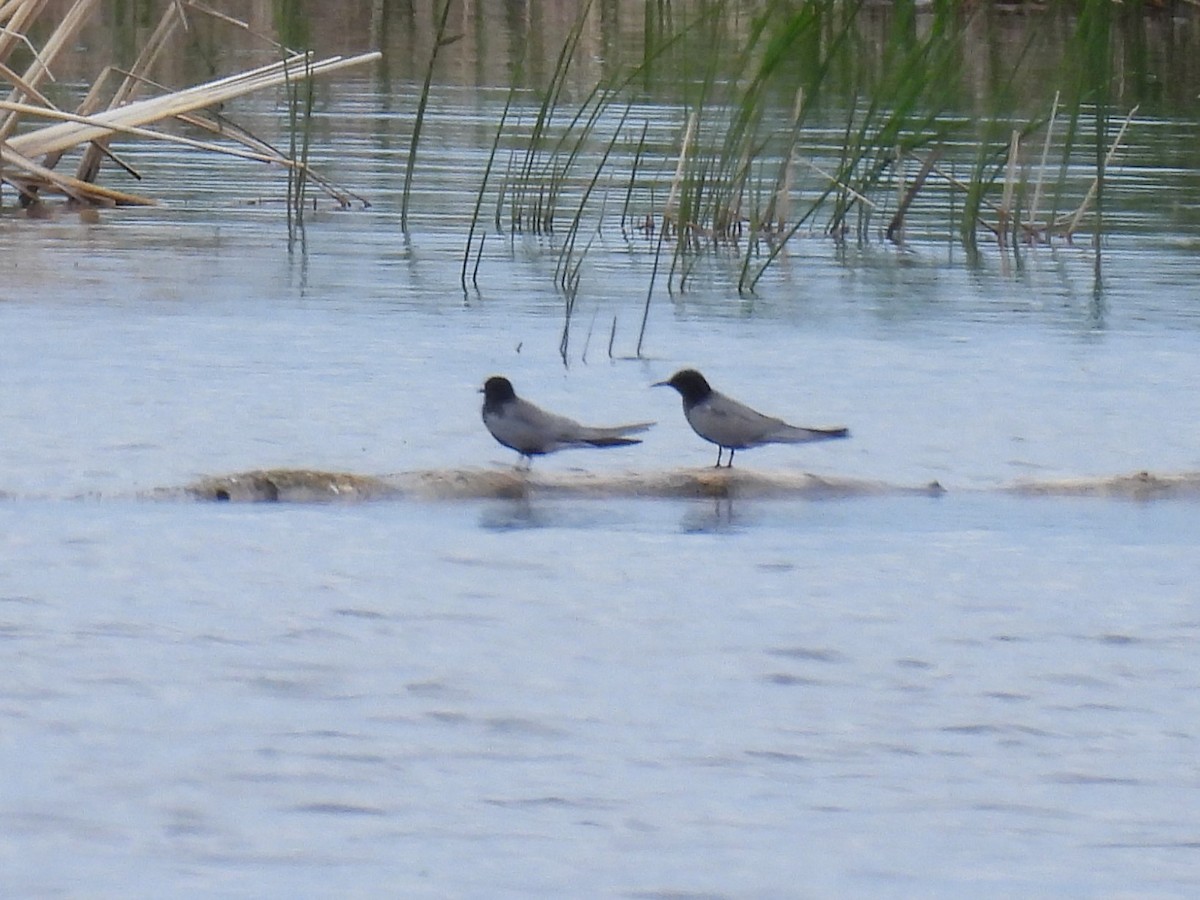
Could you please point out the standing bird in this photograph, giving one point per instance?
(531, 431)
(733, 425)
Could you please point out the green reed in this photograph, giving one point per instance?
(1094, 36)
(479, 198)
(752, 168)
(440, 41)
(533, 198)
(300, 118)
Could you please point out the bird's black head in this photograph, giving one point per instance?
(496, 391)
(690, 384)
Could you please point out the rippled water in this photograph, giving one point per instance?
(976, 693)
(882, 696)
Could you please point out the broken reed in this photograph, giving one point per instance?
(29, 161)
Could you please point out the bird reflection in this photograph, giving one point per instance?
(714, 517)
(521, 513)
(512, 515)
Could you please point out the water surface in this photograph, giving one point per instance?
(889, 694)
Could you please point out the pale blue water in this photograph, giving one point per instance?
(979, 694)
(870, 697)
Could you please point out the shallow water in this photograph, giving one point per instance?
(887, 695)
(872, 696)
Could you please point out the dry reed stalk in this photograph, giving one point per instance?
(155, 109)
(671, 210)
(135, 131)
(89, 163)
(19, 151)
(15, 17)
(1091, 194)
(259, 147)
(11, 8)
(80, 191)
(228, 20)
(22, 85)
(778, 210)
(955, 182)
(60, 40)
(1037, 189)
(835, 182)
(1006, 200)
(911, 194)
(18, 14)
(174, 16)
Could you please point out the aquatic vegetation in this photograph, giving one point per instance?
(797, 119)
(29, 160)
(300, 105)
(440, 40)
(725, 133)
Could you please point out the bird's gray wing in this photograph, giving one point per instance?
(531, 426)
(613, 434)
(555, 431)
(794, 434)
(727, 422)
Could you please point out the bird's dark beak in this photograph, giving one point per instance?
(661, 384)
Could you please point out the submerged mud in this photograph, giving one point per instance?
(314, 486)
(1139, 486)
(286, 485)
(309, 486)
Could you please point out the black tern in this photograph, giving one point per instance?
(732, 425)
(521, 426)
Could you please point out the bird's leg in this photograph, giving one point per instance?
(729, 465)
(720, 450)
